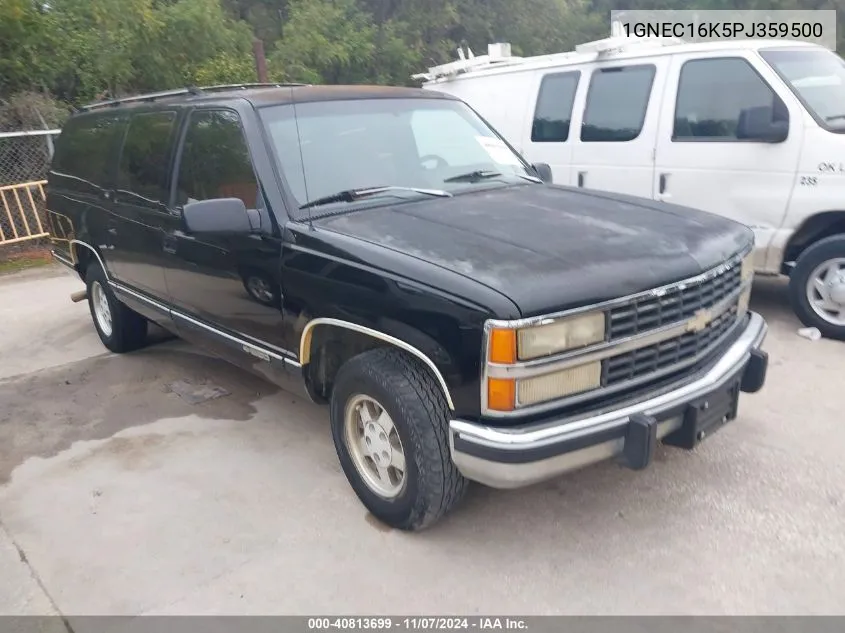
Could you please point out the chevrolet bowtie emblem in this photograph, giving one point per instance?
(700, 320)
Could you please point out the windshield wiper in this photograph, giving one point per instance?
(482, 174)
(474, 176)
(351, 195)
(834, 117)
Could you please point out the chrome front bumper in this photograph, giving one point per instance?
(680, 414)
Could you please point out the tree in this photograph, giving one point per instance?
(24, 42)
(326, 41)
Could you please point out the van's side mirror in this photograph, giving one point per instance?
(758, 124)
(218, 215)
(544, 171)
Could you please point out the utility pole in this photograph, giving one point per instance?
(260, 60)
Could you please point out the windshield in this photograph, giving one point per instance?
(433, 144)
(817, 77)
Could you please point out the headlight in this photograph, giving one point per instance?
(507, 346)
(561, 335)
(747, 272)
(747, 276)
(559, 384)
(744, 299)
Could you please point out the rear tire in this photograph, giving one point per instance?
(388, 411)
(817, 287)
(120, 328)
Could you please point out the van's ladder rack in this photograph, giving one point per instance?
(499, 55)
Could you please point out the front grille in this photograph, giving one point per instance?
(678, 303)
(647, 360)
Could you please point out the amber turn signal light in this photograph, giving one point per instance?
(503, 346)
(501, 394)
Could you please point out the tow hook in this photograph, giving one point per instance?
(80, 295)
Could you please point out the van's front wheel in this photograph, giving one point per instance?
(390, 428)
(817, 287)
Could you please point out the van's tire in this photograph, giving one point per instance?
(120, 328)
(392, 382)
(806, 277)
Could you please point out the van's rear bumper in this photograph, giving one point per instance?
(681, 415)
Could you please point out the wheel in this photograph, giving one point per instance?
(120, 328)
(817, 287)
(390, 428)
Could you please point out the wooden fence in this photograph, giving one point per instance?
(23, 214)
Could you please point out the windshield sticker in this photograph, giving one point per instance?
(497, 150)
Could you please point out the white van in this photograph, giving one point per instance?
(752, 130)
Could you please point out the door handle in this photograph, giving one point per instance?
(581, 175)
(662, 185)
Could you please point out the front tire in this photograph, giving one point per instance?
(817, 287)
(390, 424)
(120, 328)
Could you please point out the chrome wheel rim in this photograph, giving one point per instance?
(259, 288)
(102, 310)
(826, 291)
(374, 445)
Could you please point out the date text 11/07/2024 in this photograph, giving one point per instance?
(416, 623)
(724, 30)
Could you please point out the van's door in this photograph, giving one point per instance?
(549, 136)
(705, 158)
(617, 123)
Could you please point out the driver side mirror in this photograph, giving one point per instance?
(544, 172)
(218, 215)
(758, 124)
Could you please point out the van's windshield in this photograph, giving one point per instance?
(335, 154)
(817, 77)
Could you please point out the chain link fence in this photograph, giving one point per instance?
(24, 161)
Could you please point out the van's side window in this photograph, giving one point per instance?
(616, 103)
(145, 160)
(554, 107)
(215, 160)
(712, 93)
(89, 148)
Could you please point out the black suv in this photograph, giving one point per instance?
(383, 250)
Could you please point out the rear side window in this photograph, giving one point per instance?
(215, 161)
(712, 93)
(87, 149)
(554, 107)
(616, 103)
(145, 160)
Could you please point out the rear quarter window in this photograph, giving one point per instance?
(86, 152)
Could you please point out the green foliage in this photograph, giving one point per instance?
(80, 50)
(27, 110)
(326, 41)
(225, 68)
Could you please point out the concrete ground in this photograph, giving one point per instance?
(120, 494)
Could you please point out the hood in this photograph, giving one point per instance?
(551, 248)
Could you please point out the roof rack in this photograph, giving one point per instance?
(499, 55)
(188, 90)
